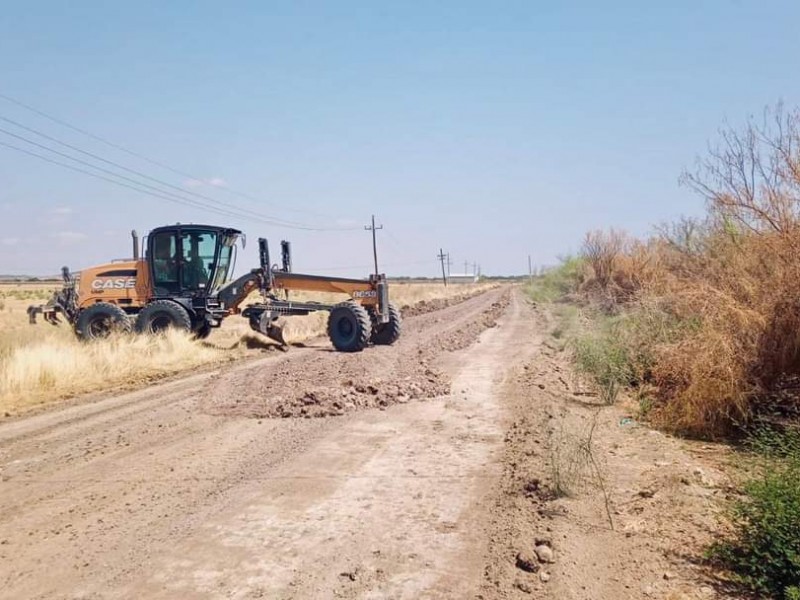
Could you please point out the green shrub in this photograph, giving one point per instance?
(558, 282)
(768, 441)
(764, 548)
(600, 356)
(620, 351)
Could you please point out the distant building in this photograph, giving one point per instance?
(463, 278)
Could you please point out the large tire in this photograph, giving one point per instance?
(161, 315)
(101, 320)
(349, 327)
(385, 334)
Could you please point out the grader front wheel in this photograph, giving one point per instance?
(349, 327)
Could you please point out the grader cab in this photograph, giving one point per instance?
(183, 282)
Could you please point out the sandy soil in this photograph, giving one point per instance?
(416, 471)
(624, 511)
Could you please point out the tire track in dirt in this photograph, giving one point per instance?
(96, 491)
(385, 505)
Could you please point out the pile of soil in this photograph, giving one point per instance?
(376, 378)
(424, 307)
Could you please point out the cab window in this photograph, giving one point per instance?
(165, 261)
(198, 248)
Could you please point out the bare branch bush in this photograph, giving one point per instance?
(736, 275)
(575, 465)
(751, 179)
(727, 283)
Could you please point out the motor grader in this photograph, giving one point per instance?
(181, 281)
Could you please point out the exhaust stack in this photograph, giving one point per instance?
(135, 237)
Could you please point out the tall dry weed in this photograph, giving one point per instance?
(733, 275)
(618, 267)
(739, 273)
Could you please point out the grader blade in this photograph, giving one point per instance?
(275, 331)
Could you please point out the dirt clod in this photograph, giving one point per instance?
(544, 553)
(544, 576)
(523, 586)
(527, 561)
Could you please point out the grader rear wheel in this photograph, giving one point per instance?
(349, 327)
(101, 320)
(385, 334)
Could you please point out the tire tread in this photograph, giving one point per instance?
(364, 325)
(181, 318)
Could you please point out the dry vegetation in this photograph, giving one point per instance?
(709, 310)
(702, 323)
(43, 363)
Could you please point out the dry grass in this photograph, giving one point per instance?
(745, 298)
(735, 308)
(62, 367)
(43, 363)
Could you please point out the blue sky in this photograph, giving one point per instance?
(493, 130)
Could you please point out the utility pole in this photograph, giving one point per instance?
(374, 241)
(474, 268)
(530, 271)
(449, 264)
(466, 266)
(441, 257)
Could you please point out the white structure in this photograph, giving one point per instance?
(463, 278)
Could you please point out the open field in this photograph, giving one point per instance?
(44, 363)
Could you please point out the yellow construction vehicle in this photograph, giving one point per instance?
(181, 281)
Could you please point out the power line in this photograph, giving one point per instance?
(154, 191)
(397, 264)
(115, 182)
(161, 193)
(152, 161)
(139, 173)
(403, 248)
(243, 211)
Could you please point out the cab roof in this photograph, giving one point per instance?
(181, 226)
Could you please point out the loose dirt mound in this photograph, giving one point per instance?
(424, 307)
(378, 377)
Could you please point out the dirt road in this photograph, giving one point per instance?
(436, 468)
(211, 486)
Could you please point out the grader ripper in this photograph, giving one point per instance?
(182, 282)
